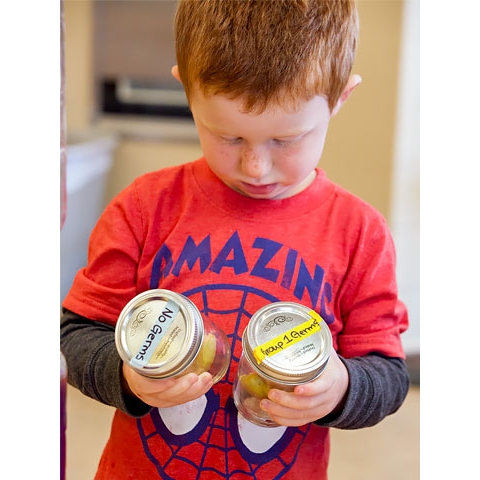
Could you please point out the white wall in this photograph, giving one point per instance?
(405, 212)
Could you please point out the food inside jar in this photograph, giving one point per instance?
(250, 389)
(206, 355)
(254, 385)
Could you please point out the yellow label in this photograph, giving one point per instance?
(288, 338)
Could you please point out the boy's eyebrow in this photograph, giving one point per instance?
(297, 133)
(293, 134)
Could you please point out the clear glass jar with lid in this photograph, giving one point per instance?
(284, 344)
(162, 334)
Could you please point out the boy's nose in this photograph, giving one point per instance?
(255, 162)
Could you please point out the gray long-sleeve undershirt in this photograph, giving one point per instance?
(378, 384)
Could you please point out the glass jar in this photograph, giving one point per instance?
(285, 344)
(162, 334)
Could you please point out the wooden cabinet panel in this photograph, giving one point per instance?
(135, 39)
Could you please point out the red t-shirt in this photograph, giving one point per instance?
(182, 229)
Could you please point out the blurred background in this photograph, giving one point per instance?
(125, 115)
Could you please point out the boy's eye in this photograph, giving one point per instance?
(231, 140)
(282, 143)
(288, 141)
(277, 141)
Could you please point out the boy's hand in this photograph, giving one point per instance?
(165, 392)
(311, 401)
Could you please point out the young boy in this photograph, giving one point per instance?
(252, 222)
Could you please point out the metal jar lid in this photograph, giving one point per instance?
(287, 342)
(159, 333)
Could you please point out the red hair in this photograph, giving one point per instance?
(266, 51)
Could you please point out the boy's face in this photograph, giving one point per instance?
(271, 155)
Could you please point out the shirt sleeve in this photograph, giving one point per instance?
(377, 387)
(93, 364)
(372, 316)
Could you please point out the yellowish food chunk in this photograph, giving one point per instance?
(207, 352)
(254, 385)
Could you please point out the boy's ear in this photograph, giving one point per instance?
(352, 83)
(175, 73)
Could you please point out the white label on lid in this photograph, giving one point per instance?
(155, 335)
